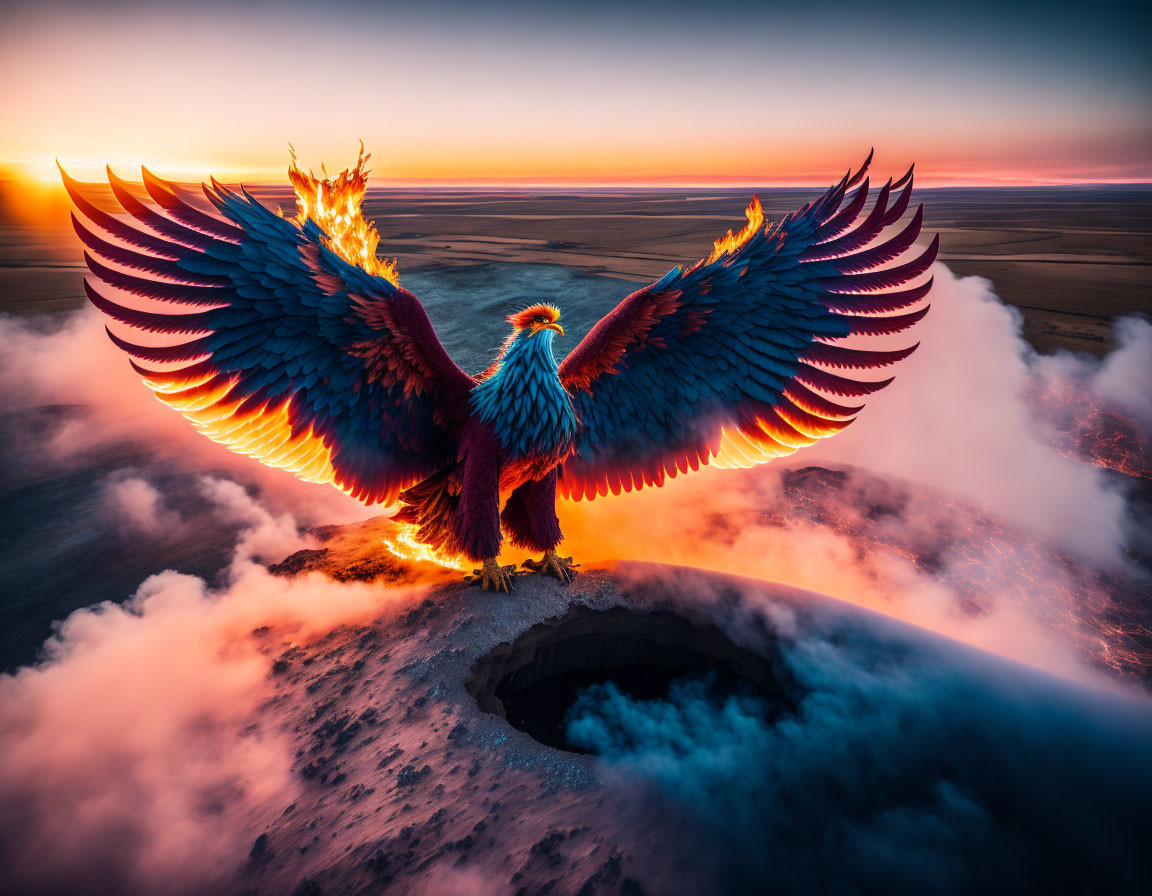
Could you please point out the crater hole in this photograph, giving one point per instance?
(534, 681)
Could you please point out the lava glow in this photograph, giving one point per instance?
(1103, 436)
(334, 204)
(1115, 445)
(405, 546)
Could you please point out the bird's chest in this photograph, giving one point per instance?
(540, 427)
(532, 417)
(530, 414)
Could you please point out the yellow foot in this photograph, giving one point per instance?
(553, 565)
(494, 577)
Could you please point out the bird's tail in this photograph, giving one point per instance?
(431, 505)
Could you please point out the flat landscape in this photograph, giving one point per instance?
(1072, 259)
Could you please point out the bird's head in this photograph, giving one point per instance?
(537, 319)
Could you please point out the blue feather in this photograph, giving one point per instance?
(524, 400)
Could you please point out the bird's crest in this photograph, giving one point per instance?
(528, 316)
(521, 320)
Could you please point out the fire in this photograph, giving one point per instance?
(730, 242)
(334, 204)
(405, 546)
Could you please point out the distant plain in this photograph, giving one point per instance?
(1071, 259)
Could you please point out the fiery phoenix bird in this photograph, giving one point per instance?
(301, 349)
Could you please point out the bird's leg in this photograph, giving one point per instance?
(476, 520)
(529, 517)
(494, 577)
(553, 565)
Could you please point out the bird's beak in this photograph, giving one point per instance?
(559, 329)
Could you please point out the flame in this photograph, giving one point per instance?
(405, 546)
(334, 205)
(730, 242)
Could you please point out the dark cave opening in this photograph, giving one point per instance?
(534, 681)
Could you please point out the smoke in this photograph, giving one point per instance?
(1126, 374)
(958, 419)
(892, 776)
(143, 752)
(1020, 603)
(141, 509)
(266, 537)
(140, 751)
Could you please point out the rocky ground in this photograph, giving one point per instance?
(405, 777)
(407, 786)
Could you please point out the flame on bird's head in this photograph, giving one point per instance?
(334, 204)
(537, 317)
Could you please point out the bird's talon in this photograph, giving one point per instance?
(552, 564)
(494, 577)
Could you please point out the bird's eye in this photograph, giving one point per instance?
(540, 320)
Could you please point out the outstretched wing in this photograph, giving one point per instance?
(727, 362)
(296, 357)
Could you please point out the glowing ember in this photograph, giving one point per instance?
(730, 242)
(405, 546)
(333, 203)
(1088, 429)
(1113, 442)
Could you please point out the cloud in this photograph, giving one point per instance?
(141, 509)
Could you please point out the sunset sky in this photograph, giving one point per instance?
(700, 92)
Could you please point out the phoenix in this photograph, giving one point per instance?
(288, 340)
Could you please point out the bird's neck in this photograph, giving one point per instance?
(524, 400)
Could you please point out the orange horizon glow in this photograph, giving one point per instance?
(42, 172)
(491, 98)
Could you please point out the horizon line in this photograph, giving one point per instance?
(8, 173)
